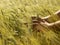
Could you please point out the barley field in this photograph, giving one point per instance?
(15, 13)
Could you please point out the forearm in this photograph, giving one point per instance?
(52, 24)
(56, 13)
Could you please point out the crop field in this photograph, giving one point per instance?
(16, 24)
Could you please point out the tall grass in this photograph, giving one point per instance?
(13, 15)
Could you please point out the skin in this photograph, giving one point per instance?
(39, 21)
(56, 13)
(51, 24)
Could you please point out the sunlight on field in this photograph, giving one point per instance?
(13, 15)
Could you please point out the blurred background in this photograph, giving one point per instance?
(14, 14)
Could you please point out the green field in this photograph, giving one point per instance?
(13, 15)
